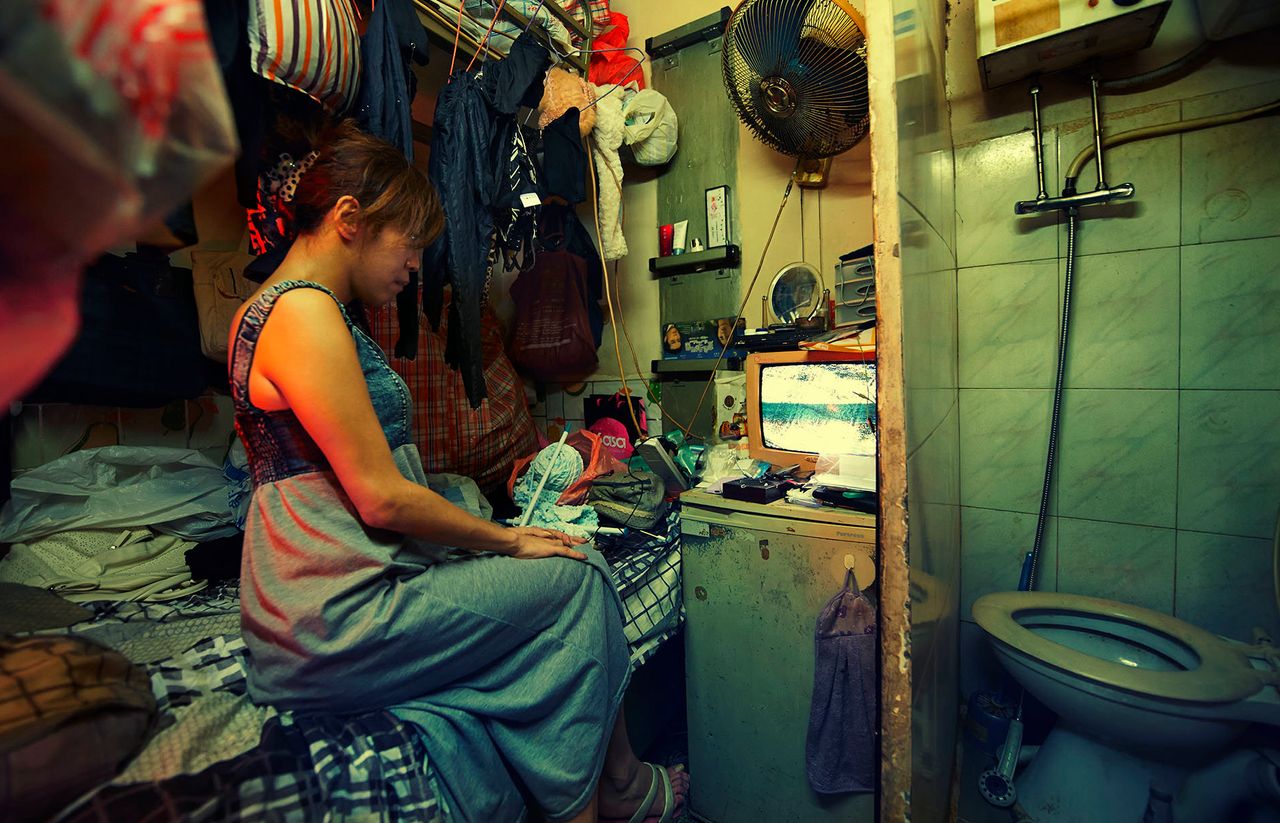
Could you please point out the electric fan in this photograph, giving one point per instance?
(796, 73)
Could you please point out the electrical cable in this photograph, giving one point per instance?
(621, 318)
(625, 77)
(804, 253)
(764, 253)
(613, 317)
(786, 194)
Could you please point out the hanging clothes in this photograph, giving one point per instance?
(606, 139)
(564, 160)
(382, 106)
(473, 109)
(312, 46)
(246, 90)
(516, 80)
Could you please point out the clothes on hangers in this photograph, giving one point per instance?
(564, 159)
(382, 106)
(474, 113)
(606, 139)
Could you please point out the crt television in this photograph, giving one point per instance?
(802, 403)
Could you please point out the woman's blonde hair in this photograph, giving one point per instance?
(391, 192)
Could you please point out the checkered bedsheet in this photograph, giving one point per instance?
(305, 768)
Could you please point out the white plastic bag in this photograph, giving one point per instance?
(176, 491)
(651, 127)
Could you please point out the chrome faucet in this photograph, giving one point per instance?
(1070, 199)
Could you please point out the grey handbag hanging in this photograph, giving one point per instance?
(840, 749)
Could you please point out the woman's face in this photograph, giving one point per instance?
(672, 338)
(724, 332)
(386, 261)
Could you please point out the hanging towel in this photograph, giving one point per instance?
(840, 750)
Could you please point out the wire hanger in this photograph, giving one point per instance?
(533, 17)
(622, 82)
(482, 49)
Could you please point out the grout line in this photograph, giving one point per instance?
(1177, 463)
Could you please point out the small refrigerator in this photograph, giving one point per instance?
(755, 579)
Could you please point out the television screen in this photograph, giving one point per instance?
(819, 407)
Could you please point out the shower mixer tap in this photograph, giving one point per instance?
(1070, 200)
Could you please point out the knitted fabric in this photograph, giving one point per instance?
(565, 466)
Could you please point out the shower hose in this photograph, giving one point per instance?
(1073, 172)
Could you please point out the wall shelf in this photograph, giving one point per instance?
(674, 368)
(720, 257)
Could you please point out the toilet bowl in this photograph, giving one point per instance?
(1142, 698)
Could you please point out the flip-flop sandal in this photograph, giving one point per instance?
(669, 802)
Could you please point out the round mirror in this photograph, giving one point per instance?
(796, 292)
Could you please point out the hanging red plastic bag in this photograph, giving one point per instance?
(615, 67)
(112, 112)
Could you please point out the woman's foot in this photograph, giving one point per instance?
(621, 796)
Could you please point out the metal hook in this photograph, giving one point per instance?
(533, 17)
(625, 77)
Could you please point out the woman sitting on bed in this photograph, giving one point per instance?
(362, 589)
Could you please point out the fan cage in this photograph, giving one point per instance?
(796, 73)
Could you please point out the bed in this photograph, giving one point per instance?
(214, 755)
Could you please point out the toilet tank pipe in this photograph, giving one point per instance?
(1243, 786)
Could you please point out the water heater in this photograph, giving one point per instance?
(1019, 38)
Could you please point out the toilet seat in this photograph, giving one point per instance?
(1224, 674)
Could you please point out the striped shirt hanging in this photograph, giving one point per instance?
(309, 45)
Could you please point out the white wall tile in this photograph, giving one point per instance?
(1231, 174)
(1124, 321)
(1114, 561)
(1230, 315)
(1224, 584)
(990, 177)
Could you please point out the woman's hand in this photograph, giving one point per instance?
(533, 542)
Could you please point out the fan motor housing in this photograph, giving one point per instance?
(796, 74)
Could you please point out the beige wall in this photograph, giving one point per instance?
(845, 205)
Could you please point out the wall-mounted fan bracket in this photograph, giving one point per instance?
(813, 173)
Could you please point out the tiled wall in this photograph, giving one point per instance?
(45, 431)
(560, 407)
(1168, 480)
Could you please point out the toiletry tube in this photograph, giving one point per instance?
(681, 229)
(666, 236)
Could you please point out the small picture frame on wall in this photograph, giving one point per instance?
(717, 216)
